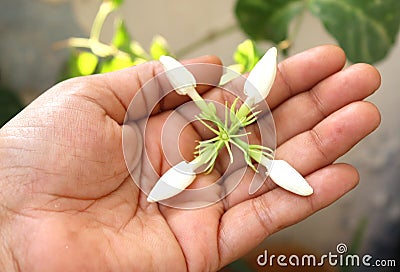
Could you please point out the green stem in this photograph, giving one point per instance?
(105, 9)
(199, 101)
(99, 48)
(205, 108)
(245, 146)
(204, 40)
(241, 143)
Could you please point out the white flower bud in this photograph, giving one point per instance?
(174, 181)
(284, 175)
(261, 78)
(180, 78)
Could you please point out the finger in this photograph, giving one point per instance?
(319, 147)
(247, 224)
(114, 91)
(301, 72)
(199, 226)
(305, 110)
(331, 138)
(241, 191)
(296, 74)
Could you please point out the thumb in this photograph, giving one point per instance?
(115, 90)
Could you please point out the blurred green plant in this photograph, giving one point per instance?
(91, 56)
(356, 242)
(10, 104)
(365, 29)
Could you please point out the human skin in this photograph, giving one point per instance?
(68, 202)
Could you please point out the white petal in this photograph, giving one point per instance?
(284, 175)
(174, 181)
(177, 74)
(261, 78)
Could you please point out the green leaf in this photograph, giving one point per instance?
(86, 63)
(267, 19)
(70, 68)
(366, 29)
(247, 55)
(10, 105)
(121, 39)
(116, 63)
(159, 47)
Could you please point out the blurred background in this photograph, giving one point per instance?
(34, 55)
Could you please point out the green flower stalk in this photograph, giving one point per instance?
(184, 83)
(227, 133)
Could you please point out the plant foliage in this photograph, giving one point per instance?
(10, 104)
(365, 29)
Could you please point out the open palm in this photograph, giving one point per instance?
(68, 202)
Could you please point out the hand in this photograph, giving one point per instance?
(69, 203)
